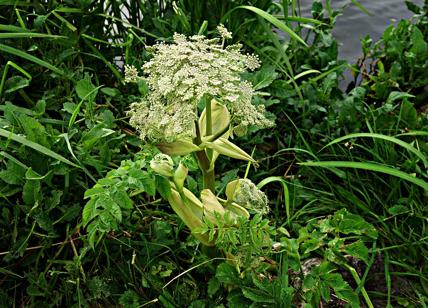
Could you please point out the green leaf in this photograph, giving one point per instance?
(110, 91)
(257, 296)
(14, 174)
(227, 274)
(398, 209)
(395, 95)
(85, 89)
(122, 199)
(34, 131)
(351, 223)
(358, 250)
(409, 114)
(89, 211)
(213, 286)
(264, 77)
(94, 191)
(311, 245)
(31, 192)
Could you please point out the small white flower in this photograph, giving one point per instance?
(224, 33)
(131, 74)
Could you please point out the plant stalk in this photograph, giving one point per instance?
(204, 157)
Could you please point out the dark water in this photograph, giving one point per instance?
(355, 24)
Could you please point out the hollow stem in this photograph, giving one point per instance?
(204, 157)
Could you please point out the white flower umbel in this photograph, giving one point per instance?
(180, 74)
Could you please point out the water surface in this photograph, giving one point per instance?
(355, 24)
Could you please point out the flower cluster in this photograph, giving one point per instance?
(250, 197)
(131, 73)
(180, 74)
(224, 33)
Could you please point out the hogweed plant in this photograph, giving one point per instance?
(197, 101)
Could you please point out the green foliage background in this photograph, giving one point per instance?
(356, 207)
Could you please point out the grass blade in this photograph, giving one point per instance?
(368, 166)
(401, 143)
(304, 20)
(270, 18)
(22, 54)
(29, 35)
(285, 188)
(362, 8)
(35, 146)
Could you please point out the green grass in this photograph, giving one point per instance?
(64, 127)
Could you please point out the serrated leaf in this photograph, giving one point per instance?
(122, 199)
(89, 211)
(358, 250)
(94, 191)
(257, 296)
(14, 174)
(213, 286)
(227, 274)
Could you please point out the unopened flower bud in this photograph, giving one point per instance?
(163, 165)
(180, 175)
(245, 193)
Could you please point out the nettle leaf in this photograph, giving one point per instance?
(311, 245)
(358, 250)
(227, 274)
(235, 299)
(108, 220)
(341, 288)
(112, 212)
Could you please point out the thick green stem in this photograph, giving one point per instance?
(204, 157)
(209, 126)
